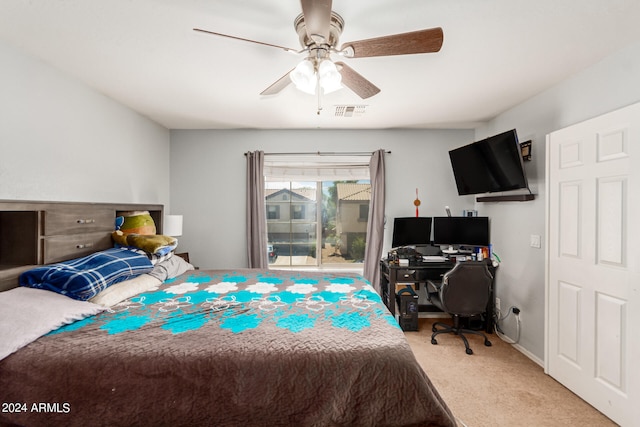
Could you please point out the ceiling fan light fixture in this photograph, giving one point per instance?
(304, 77)
(329, 76)
(319, 29)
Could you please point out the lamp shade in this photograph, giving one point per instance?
(304, 77)
(172, 225)
(330, 77)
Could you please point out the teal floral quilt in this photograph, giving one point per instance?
(238, 301)
(229, 348)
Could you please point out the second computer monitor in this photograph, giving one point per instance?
(461, 230)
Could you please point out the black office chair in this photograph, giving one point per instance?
(463, 293)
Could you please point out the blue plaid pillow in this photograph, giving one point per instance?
(83, 278)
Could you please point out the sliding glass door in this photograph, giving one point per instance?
(316, 223)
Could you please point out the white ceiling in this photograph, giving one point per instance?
(145, 54)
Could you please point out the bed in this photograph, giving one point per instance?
(227, 348)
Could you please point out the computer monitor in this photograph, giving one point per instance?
(461, 230)
(411, 231)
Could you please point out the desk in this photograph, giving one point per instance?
(416, 273)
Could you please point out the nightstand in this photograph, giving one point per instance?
(184, 256)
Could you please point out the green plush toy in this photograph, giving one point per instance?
(157, 244)
(138, 222)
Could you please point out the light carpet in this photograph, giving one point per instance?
(497, 385)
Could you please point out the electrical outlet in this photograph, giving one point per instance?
(517, 312)
(497, 304)
(535, 241)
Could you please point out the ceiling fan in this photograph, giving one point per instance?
(319, 29)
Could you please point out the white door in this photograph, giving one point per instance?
(593, 279)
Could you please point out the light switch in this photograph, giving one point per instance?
(535, 241)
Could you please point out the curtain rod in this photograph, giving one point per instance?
(323, 153)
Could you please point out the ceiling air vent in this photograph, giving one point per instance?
(350, 110)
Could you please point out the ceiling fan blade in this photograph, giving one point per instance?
(288, 49)
(317, 18)
(354, 81)
(421, 41)
(278, 85)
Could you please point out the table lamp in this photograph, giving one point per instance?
(172, 225)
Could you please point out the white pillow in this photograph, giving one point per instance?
(26, 314)
(126, 289)
(170, 268)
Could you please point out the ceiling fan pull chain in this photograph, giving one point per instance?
(319, 94)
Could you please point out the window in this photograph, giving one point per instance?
(325, 223)
(297, 212)
(364, 212)
(273, 211)
(293, 236)
(315, 209)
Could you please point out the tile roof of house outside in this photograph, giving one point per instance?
(307, 193)
(354, 192)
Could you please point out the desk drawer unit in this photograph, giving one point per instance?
(410, 275)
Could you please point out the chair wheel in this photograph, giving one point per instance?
(469, 351)
(487, 343)
(433, 341)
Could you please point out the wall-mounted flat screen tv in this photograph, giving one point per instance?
(491, 165)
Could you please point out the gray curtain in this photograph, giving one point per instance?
(375, 226)
(256, 211)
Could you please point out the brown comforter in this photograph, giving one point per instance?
(227, 348)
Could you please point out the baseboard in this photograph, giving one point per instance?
(530, 355)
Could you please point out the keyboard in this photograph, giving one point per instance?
(434, 258)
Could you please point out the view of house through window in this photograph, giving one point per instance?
(317, 223)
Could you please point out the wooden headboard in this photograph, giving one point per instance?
(35, 233)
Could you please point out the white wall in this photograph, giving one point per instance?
(61, 140)
(609, 85)
(208, 179)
